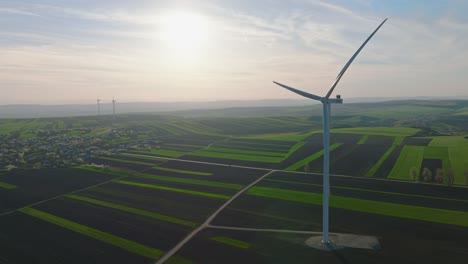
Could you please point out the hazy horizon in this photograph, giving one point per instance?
(58, 52)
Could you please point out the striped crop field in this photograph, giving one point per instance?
(374, 207)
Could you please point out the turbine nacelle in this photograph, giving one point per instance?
(332, 100)
(324, 100)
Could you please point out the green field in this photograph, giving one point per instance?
(5, 185)
(199, 173)
(410, 156)
(171, 189)
(133, 210)
(379, 163)
(234, 156)
(459, 218)
(378, 131)
(312, 157)
(457, 151)
(232, 242)
(125, 244)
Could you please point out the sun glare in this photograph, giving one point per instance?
(185, 33)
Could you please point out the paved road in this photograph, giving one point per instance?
(207, 222)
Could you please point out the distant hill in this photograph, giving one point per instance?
(232, 108)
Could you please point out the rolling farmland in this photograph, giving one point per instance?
(183, 180)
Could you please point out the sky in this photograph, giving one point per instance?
(65, 52)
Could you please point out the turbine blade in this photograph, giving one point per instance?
(342, 72)
(308, 95)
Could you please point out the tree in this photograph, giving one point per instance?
(427, 175)
(449, 177)
(440, 175)
(413, 173)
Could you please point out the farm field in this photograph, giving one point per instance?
(153, 208)
(151, 181)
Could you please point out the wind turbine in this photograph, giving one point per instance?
(113, 105)
(98, 106)
(326, 101)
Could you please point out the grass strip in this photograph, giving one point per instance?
(379, 163)
(179, 260)
(246, 152)
(125, 173)
(233, 156)
(128, 161)
(199, 173)
(363, 139)
(188, 181)
(398, 140)
(122, 243)
(378, 131)
(8, 186)
(133, 210)
(140, 157)
(312, 157)
(294, 148)
(275, 217)
(161, 152)
(231, 242)
(371, 191)
(171, 189)
(373, 207)
(107, 171)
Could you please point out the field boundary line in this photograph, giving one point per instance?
(301, 172)
(266, 230)
(207, 222)
(61, 195)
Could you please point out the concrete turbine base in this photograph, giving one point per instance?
(339, 241)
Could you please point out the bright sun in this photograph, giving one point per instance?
(185, 33)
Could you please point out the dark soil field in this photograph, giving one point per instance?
(432, 165)
(300, 154)
(342, 151)
(415, 141)
(128, 165)
(185, 186)
(179, 205)
(258, 145)
(372, 195)
(449, 192)
(357, 162)
(147, 231)
(388, 164)
(37, 185)
(25, 239)
(397, 236)
(380, 140)
(344, 138)
(220, 173)
(232, 162)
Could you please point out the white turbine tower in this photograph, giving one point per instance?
(326, 101)
(113, 106)
(98, 106)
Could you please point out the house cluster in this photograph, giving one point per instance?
(49, 149)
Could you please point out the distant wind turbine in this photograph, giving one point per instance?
(113, 105)
(98, 106)
(326, 101)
